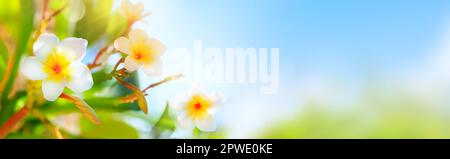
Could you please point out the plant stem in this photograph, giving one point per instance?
(97, 57)
(7, 74)
(140, 97)
(43, 25)
(167, 79)
(132, 97)
(117, 64)
(13, 120)
(125, 84)
(44, 10)
(105, 48)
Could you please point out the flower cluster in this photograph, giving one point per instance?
(58, 64)
(133, 12)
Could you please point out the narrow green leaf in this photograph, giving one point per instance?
(166, 123)
(3, 57)
(25, 28)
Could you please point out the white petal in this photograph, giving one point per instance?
(179, 102)
(130, 64)
(137, 35)
(180, 133)
(52, 90)
(154, 69)
(206, 124)
(123, 45)
(45, 45)
(197, 89)
(74, 47)
(125, 6)
(216, 97)
(156, 46)
(32, 68)
(185, 122)
(81, 78)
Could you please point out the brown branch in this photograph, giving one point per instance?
(165, 80)
(125, 84)
(102, 51)
(44, 10)
(55, 13)
(132, 97)
(97, 57)
(118, 63)
(140, 97)
(43, 26)
(13, 121)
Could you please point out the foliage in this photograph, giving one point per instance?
(114, 107)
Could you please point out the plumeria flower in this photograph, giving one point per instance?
(133, 12)
(143, 52)
(197, 108)
(58, 64)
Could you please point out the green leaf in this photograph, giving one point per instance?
(116, 27)
(165, 123)
(8, 10)
(113, 127)
(61, 27)
(25, 28)
(99, 104)
(95, 21)
(3, 57)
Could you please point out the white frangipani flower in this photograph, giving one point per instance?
(197, 108)
(143, 52)
(133, 12)
(58, 64)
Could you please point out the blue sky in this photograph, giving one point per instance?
(313, 35)
(345, 40)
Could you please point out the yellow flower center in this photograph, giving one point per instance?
(138, 56)
(198, 106)
(142, 53)
(57, 67)
(132, 17)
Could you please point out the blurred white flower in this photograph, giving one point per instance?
(197, 108)
(58, 64)
(143, 52)
(133, 12)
